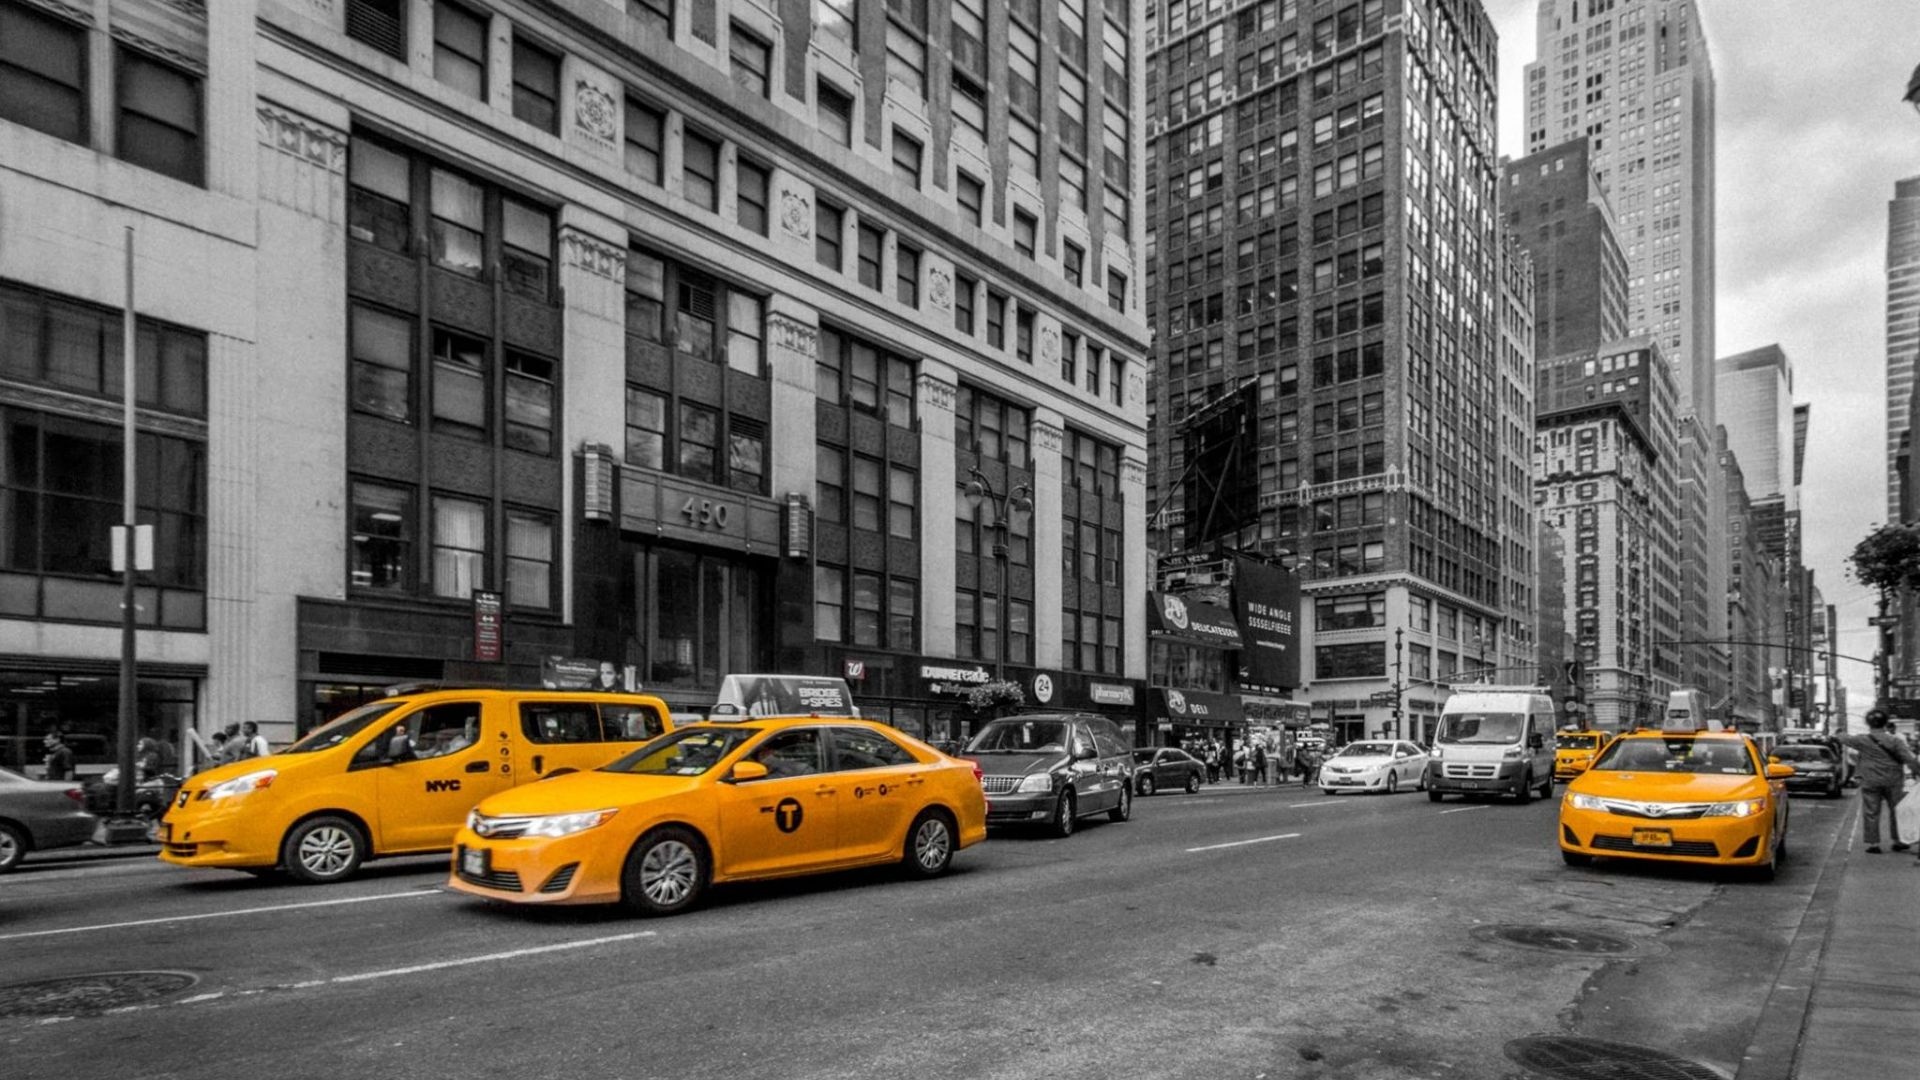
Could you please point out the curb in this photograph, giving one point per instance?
(89, 853)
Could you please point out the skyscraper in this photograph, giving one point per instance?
(1903, 323)
(1553, 202)
(1322, 224)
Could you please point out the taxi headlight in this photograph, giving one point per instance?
(1040, 782)
(243, 784)
(567, 824)
(473, 821)
(1584, 802)
(1737, 808)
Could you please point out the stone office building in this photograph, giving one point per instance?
(665, 334)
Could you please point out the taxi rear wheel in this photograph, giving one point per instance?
(323, 850)
(929, 844)
(666, 872)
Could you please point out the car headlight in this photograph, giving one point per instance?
(568, 824)
(473, 821)
(1737, 808)
(1041, 782)
(1512, 753)
(1584, 802)
(241, 785)
(1435, 754)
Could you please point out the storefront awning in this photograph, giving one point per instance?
(1197, 707)
(1194, 621)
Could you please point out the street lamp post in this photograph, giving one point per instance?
(1399, 684)
(1000, 513)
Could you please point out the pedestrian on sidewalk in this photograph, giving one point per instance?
(255, 744)
(1881, 755)
(1257, 758)
(59, 756)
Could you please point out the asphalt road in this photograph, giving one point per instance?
(1228, 934)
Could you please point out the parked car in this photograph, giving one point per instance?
(1374, 765)
(1816, 768)
(36, 815)
(1167, 768)
(1053, 769)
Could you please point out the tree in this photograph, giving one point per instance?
(987, 698)
(1888, 558)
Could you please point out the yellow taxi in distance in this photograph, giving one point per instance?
(1706, 797)
(724, 801)
(394, 777)
(1574, 751)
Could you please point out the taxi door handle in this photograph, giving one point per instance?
(826, 791)
(477, 766)
(538, 761)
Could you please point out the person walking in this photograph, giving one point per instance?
(1288, 750)
(1881, 755)
(59, 756)
(1257, 759)
(232, 749)
(253, 744)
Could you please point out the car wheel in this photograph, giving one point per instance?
(13, 847)
(666, 872)
(1146, 783)
(1546, 786)
(1123, 811)
(323, 850)
(1193, 783)
(1393, 782)
(929, 844)
(1421, 784)
(1524, 793)
(1574, 858)
(1065, 814)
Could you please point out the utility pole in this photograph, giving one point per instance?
(1399, 685)
(129, 531)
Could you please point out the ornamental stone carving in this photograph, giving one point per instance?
(1050, 343)
(302, 137)
(940, 288)
(936, 393)
(793, 336)
(796, 213)
(1133, 472)
(1046, 438)
(594, 111)
(593, 255)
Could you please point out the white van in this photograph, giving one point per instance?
(1493, 739)
(1687, 710)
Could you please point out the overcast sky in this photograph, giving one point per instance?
(1812, 136)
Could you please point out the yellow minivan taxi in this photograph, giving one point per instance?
(725, 801)
(1574, 751)
(394, 777)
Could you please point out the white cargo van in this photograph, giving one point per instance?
(1493, 739)
(1687, 710)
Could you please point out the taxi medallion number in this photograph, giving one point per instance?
(473, 861)
(1652, 838)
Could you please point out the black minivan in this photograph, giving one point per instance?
(1053, 769)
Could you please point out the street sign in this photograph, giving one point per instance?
(1906, 680)
(1883, 620)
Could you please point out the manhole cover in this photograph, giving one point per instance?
(1560, 939)
(73, 995)
(1560, 1057)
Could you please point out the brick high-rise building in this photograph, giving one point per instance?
(1553, 203)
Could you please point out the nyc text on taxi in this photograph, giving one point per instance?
(720, 802)
(394, 777)
(1706, 797)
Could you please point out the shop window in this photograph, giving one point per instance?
(536, 85)
(43, 72)
(460, 49)
(692, 616)
(382, 541)
(646, 143)
(159, 119)
(459, 547)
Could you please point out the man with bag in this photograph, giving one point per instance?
(1881, 755)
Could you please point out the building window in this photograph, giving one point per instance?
(838, 20)
(970, 194)
(536, 85)
(699, 443)
(866, 493)
(750, 200)
(829, 603)
(529, 415)
(379, 196)
(382, 538)
(906, 158)
(529, 559)
(996, 319)
(43, 73)
(871, 238)
(963, 290)
(827, 228)
(700, 170)
(382, 347)
(460, 49)
(746, 454)
(994, 429)
(646, 140)
(868, 609)
(1025, 233)
(830, 482)
(1116, 290)
(159, 118)
(459, 223)
(746, 332)
(906, 264)
(1023, 336)
(1073, 261)
(1069, 357)
(903, 498)
(655, 18)
(835, 114)
(856, 373)
(906, 60)
(459, 383)
(646, 428)
(969, 95)
(459, 547)
(526, 257)
(379, 23)
(1116, 378)
(750, 59)
(903, 614)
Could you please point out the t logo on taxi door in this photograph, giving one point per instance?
(443, 785)
(787, 815)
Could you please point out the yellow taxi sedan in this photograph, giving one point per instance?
(1574, 751)
(722, 802)
(1704, 797)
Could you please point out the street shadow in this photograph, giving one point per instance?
(432, 867)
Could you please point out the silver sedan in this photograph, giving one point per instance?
(36, 815)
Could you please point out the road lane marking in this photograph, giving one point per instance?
(1464, 809)
(1311, 805)
(434, 891)
(1244, 843)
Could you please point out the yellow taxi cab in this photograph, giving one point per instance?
(394, 777)
(1686, 796)
(724, 801)
(1574, 751)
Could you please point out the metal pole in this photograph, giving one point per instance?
(129, 383)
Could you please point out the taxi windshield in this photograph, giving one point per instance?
(687, 751)
(1481, 727)
(1576, 742)
(1020, 737)
(341, 728)
(1366, 749)
(1718, 756)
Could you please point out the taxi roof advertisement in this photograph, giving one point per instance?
(1195, 620)
(1267, 599)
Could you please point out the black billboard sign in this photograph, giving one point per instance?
(1266, 600)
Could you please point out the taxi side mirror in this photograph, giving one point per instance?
(748, 770)
(1777, 771)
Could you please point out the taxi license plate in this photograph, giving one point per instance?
(473, 862)
(1652, 838)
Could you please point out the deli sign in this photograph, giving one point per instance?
(1195, 620)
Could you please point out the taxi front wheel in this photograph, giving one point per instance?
(322, 850)
(666, 872)
(929, 845)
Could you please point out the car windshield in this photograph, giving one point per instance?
(687, 751)
(1803, 753)
(1577, 742)
(1719, 756)
(1020, 737)
(340, 729)
(1481, 727)
(1366, 749)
